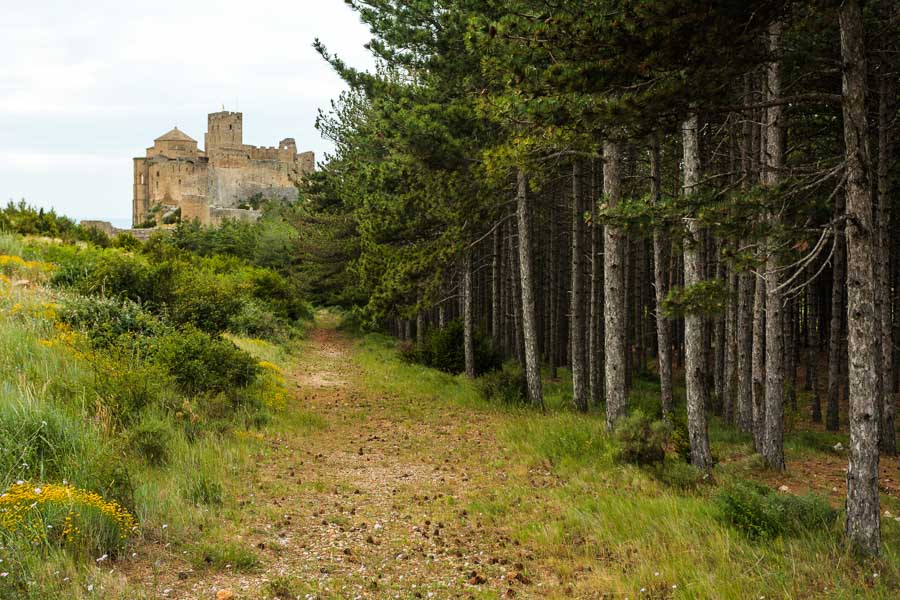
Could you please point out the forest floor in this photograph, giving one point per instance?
(386, 480)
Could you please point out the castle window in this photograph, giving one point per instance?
(229, 128)
(142, 179)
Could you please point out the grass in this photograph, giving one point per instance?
(605, 528)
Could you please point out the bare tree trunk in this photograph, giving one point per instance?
(744, 353)
(773, 437)
(468, 316)
(693, 321)
(554, 303)
(886, 109)
(758, 358)
(614, 291)
(863, 512)
(728, 391)
(720, 350)
(812, 368)
(835, 355)
(495, 287)
(660, 262)
(595, 359)
(529, 324)
(576, 320)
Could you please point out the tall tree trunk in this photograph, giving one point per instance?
(614, 291)
(595, 359)
(812, 366)
(758, 358)
(660, 262)
(468, 316)
(886, 110)
(728, 391)
(838, 315)
(577, 320)
(863, 513)
(693, 321)
(773, 437)
(529, 323)
(744, 400)
(495, 286)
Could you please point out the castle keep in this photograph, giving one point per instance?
(222, 181)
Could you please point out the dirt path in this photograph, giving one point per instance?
(349, 499)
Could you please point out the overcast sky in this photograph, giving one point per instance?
(86, 86)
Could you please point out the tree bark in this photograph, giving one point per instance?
(595, 358)
(693, 321)
(835, 354)
(529, 324)
(729, 409)
(758, 358)
(660, 262)
(886, 109)
(773, 437)
(495, 287)
(577, 312)
(614, 291)
(744, 400)
(468, 316)
(863, 513)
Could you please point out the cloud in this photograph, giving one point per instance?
(41, 162)
(85, 86)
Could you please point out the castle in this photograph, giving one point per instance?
(176, 180)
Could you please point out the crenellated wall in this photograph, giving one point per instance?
(228, 173)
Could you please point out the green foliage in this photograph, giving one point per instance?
(203, 364)
(205, 301)
(708, 297)
(641, 440)
(152, 439)
(507, 385)
(444, 350)
(105, 320)
(759, 512)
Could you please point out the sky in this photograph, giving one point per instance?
(86, 86)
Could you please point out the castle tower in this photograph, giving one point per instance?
(224, 130)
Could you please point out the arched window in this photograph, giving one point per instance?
(142, 179)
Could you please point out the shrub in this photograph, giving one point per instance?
(255, 319)
(106, 319)
(508, 385)
(443, 350)
(204, 301)
(760, 512)
(203, 364)
(152, 439)
(641, 440)
(679, 475)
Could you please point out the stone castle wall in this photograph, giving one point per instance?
(227, 173)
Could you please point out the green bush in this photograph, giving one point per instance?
(152, 439)
(254, 319)
(507, 385)
(641, 440)
(106, 319)
(759, 512)
(444, 350)
(679, 475)
(204, 301)
(204, 364)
